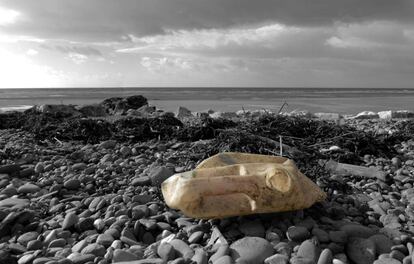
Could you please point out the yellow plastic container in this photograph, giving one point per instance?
(234, 184)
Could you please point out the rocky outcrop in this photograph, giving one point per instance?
(69, 110)
(94, 110)
(120, 105)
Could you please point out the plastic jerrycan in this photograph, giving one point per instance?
(234, 184)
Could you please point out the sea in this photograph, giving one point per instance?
(336, 100)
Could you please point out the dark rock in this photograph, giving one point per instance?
(382, 243)
(72, 184)
(119, 105)
(141, 181)
(297, 233)
(160, 174)
(355, 230)
(360, 250)
(122, 255)
(94, 110)
(10, 169)
(253, 228)
(338, 236)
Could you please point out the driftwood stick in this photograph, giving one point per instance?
(343, 168)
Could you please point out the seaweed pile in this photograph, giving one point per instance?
(302, 136)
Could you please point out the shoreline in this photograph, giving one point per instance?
(341, 101)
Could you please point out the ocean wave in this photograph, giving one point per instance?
(14, 108)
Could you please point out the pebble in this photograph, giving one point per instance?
(109, 144)
(382, 243)
(160, 174)
(338, 236)
(120, 255)
(70, 220)
(387, 261)
(224, 260)
(326, 257)
(277, 259)
(322, 235)
(141, 181)
(72, 184)
(223, 250)
(39, 168)
(28, 188)
(251, 250)
(195, 237)
(309, 250)
(200, 256)
(60, 242)
(166, 251)
(25, 238)
(360, 250)
(395, 254)
(182, 249)
(253, 228)
(297, 233)
(34, 245)
(77, 258)
(355, 230)
(105, 240)
(94, 249)
(10, 168)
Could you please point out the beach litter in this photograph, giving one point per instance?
(235, 184)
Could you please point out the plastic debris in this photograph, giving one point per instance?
(235, 184)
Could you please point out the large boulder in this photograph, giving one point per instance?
(328, 116)
(120, 105)
(396, 114)
(225, 115)
(67, 110)
(183, 113)
(366, 115)
(94, 110)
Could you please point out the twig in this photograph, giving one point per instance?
(281, 108)
(45, 196)
(281, 146)
(60, 142)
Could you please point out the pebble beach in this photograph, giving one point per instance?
(83, 186)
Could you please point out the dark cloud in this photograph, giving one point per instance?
(111, 19)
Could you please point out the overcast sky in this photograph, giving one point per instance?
(276, 43)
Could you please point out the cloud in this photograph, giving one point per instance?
(8, 16)
(271, 40)
(20, 71)
(233, 42)
(32, 52)
(82, 50)
(109, 20)
(76, 54)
